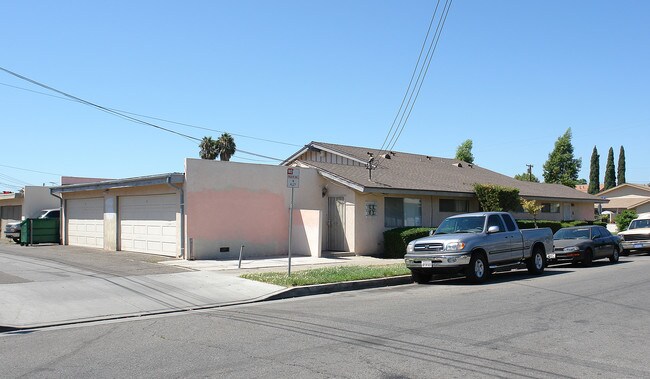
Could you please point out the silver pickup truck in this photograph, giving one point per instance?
(478, 244)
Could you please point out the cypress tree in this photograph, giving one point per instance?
(621, 166)
(610, 175)
(594, 173)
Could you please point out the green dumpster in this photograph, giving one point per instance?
(39, 230)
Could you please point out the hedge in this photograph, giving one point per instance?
(395, 240)
(556, 225)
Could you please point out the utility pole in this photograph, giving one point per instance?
(530, 172)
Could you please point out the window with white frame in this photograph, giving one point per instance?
(399, 211)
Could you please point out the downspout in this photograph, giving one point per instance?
(182, 201)
(61, 218)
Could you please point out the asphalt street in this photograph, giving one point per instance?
(572, 322)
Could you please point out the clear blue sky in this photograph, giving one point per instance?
(510, 75)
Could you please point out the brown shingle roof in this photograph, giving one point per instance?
(414, 172)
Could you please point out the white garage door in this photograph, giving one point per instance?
(85, 222)
(148, 223)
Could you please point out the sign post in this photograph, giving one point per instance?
(293, 181)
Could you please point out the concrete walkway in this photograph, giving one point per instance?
(58, 285)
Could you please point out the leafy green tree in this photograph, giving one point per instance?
(581, 181)
(561, 166)
(226, 147)
(464, 152)
(532, 207)
(624, 218)
(493, 198)
(610, 175)
(621, 166)
(527, 177)
(209, 149)
(594, 173)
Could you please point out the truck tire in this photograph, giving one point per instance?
(614, 257)
(16, 240)
(478, 269)
(537, 261)
(421, 277)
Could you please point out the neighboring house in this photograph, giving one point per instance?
(626, 196)
(405, 189)
(16, 206)
(585, 187)
(214, 208)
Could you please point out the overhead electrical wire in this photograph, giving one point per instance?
(160, 119)
(405, 111)
(118, 113)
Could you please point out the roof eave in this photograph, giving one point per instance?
(172, 178)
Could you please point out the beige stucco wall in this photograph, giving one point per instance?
(111, 206)
(627, 190)
(229, 204)
(37, 199)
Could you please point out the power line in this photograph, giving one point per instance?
(14, 180)
(117, 113)
(415, 91)
(158, 118)
(25, 169)
(408, 89)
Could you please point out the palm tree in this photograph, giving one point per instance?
(209, 148)
(226, 147)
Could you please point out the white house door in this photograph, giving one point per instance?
(336, 224)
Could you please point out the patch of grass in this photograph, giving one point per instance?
(325, 275)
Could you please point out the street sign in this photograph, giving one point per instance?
(293, 177)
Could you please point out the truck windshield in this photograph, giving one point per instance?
(636, 224)
(470, 224)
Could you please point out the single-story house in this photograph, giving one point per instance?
(16, 206)
(214, 208)
(626, 196)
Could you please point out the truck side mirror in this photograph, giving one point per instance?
(493, 229)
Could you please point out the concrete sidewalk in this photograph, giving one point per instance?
(58, 285)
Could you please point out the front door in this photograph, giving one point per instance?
(567, 213)
(336, 224)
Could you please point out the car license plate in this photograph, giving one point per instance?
(637, 246)
(427, 264)
(550, 256)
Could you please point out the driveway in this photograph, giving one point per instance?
(56, 285)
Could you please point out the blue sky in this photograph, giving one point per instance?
(510, 75)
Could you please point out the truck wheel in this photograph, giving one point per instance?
(537, 261)
(588, 260)
(478, 269)
(421, 277)
(614, 257)
(16, 240)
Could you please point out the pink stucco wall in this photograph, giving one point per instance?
(230, 204)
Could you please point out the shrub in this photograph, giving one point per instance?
(395, 240)
(497, 198)
(624, 218)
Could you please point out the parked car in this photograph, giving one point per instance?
(12, 229)
(637, 235)
(584, 244)
(477, 244)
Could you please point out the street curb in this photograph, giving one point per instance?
(317, 289)
(321, 289)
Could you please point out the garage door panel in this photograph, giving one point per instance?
(148, 224)
(85, 222)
